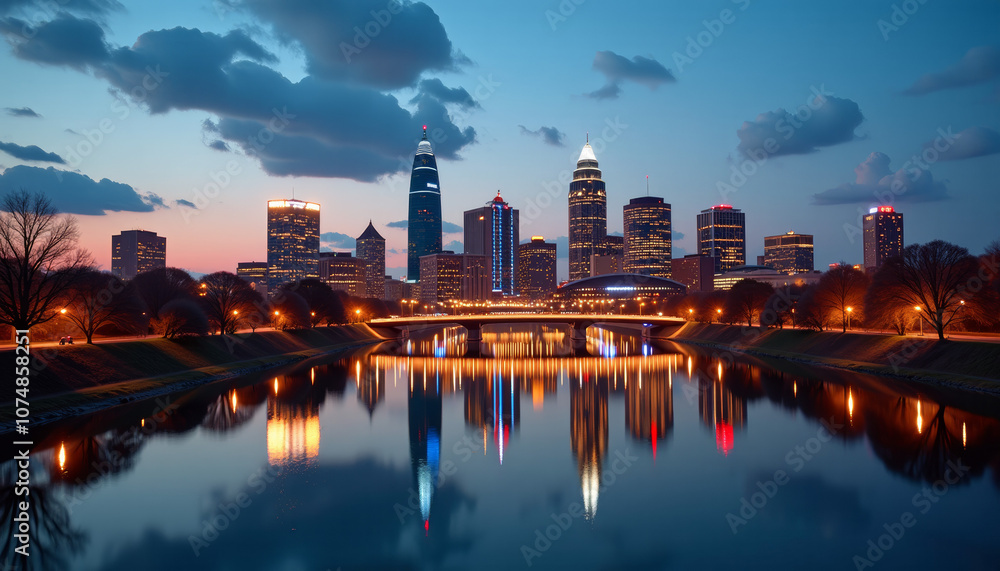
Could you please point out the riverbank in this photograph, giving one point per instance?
(77, 379)
(960, 364)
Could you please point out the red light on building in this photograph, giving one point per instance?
(886, 209)
(722, 207)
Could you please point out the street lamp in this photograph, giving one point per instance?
(642, 303)
(719, 313)
(690, 314)
(63, 311)
(920, 319)
(849, 310)
(357, 313)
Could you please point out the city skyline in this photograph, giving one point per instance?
(667, 109)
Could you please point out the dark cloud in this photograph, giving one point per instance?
(978, 65)
(454, 246)
(399, 224)
(337, 240)
(972, 142)
(154, 200)
(616, 68)
(21, 112)
(876, 183)
(362, 42)
(450, 227)
(182, 202)
(91, 7)
(219, 145)
(823, 122)
(436, 89)
(75, 193)
(286, 126)
(30, 153)
(64, 41)
(550, 135)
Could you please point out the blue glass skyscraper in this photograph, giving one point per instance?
(424, 225)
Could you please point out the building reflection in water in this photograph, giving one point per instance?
(649, 405)
(588, 427)
(721, 409)
(424, 415)
(436, 342)
(370, 382)
(527, 342)
(292, 421)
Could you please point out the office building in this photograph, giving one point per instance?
(789, 253)
(454, 277)
(424, 222)
(588, 213)
(608, 256)
(765, 274)
(393, 289)
(494, 231)
(255, 274)
(292, 242)
(343, 272)
(647, 236)
(722, 235)
(695, 271)
(370, 248)
(137, 251)
(536, 268)
(883, 236)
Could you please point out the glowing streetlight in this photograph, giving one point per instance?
(719, 313)
(920, 319)
(63, 310)
(849, 310)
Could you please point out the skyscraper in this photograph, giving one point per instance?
(137, 251)
(370, 247)
(883, 236)
(494, 231)
(536, 268)
(722, 235)
(588, 213)
(424, 227)
(789, 253)
(450, 277)
(292, 242)
(343, 272)
(647, 236)
(255, 274)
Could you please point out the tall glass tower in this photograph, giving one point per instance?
(292, 242)
(588, 213)
(494, 231)
(647, 236)
(424, 227)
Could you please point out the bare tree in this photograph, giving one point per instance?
(226, 297)
(96, 299)
(38, 253)
(937, 278)
(841, 291)
(180, 317)
(747, 298)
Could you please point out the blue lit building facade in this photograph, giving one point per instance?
(424, 222)
(494, 231)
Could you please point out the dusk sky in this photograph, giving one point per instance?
(132, 114)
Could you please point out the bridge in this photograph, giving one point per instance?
(652, 325)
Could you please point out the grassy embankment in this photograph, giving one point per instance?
(965, 364)
(79, 378)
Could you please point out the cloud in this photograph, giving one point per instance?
(337, 240)
(617, 69)
(92, 7)
(76, 193)
(454, 246)
(187, 203)
(550, 135)
(154, 199)
(21, 112)
(824, 122)
(362, 42)
(287, 126)
(450, 227)
(30, 153)
(675, 235)
(972, 142)
(876, 183)
(219, 145)
(978, 65)
(399, 224)
(436, 89)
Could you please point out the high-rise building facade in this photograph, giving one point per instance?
(536, 268)
(647, 236)
(450, 277)
(494, 231)
(695, 271)
(137, 251)
(588, 213)
(883, 236)
(424, 223)
(370, 248)
(789, 253)
(292, 242)
(722, 235)
(343, 272)
(255, 274)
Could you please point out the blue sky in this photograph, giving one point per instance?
(491, 75)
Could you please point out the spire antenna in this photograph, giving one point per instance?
(588, 137)
(647, 185)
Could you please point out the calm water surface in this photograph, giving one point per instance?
(533, 455)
